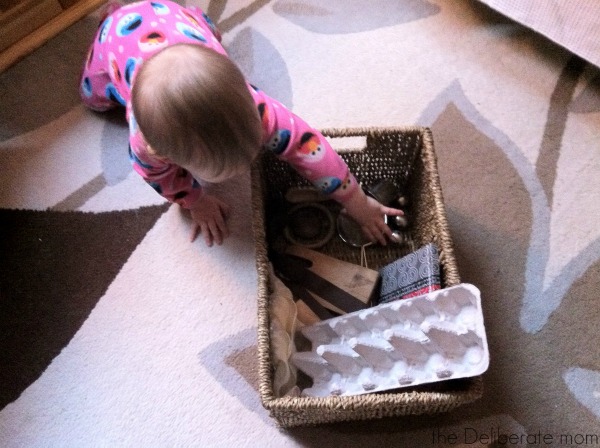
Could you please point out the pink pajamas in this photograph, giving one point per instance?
(131, 34)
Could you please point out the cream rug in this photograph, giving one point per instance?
(117, 332)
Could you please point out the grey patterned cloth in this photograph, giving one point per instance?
(414, 274)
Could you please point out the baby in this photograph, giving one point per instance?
(192, 116)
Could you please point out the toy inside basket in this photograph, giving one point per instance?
(406, 156)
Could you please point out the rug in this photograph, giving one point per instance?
(117, 331)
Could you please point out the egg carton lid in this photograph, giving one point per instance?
(434, 337)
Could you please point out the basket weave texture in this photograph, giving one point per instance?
(406, 156)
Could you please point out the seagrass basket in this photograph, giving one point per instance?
(406, 156)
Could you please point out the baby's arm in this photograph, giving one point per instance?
(369, 214)
(177, 185)
(171, 181)
(305, 148)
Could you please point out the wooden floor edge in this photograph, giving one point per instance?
(43, 34)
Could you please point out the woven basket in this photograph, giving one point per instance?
(406, 156)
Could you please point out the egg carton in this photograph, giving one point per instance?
(434, 337)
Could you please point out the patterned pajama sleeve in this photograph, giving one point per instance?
(305, 148)
(173, 182)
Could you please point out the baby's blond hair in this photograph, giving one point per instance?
(193, 107)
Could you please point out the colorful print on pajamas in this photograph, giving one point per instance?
(131, 34)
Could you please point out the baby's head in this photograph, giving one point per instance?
(193, 106)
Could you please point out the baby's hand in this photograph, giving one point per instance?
(209, 215)
(369, 213)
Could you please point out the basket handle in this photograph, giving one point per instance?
(345, 132)
(367, 131)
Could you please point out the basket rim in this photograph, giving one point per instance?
(371, 130)
(364, 401)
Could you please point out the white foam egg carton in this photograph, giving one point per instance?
(434, 337)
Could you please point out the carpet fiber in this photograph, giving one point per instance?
(115, 330)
